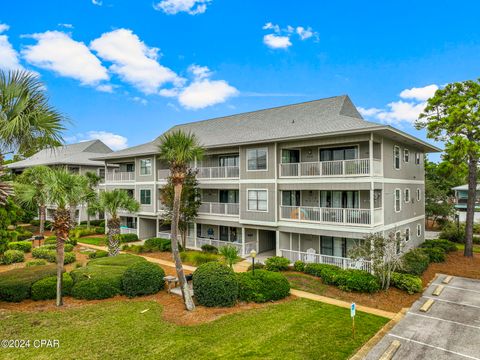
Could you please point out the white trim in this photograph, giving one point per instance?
(259, 223)
(395, 200)
(262, 211)
(266, 160)
(140, 167)
(403, 222)
(399, 157)
(352, 179)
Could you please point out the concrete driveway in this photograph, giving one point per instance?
(448, 329)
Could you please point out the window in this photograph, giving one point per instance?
(291, 198)
(228, 160)
(290, 156)
(257, 200)
(396, 157)
(406, 155)
(407, 195)
(419, 195)
(129, 167)
(229, 196)
(145, 197)
(407, 234)
(256, 159)
(101, 173)
(398, 241)
(398, 200)
(326, 245)
(146, 167)
(417, 158)
(419, 229)
(340, 153)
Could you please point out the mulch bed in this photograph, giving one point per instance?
(456, 265)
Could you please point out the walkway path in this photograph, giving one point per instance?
(243, 266)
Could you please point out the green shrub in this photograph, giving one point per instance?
(25, 246)
(124, 260)
(357, 280)
(38, 262)
(15, 285)
(157, 244)
(476, 239)
(97, 254)
(95, 289)
(262, 286)
(50, 240)
(124, 238)
(13, 256)
(215, 284)
(415, 262)
(209, 249)
(143, 278)
(198, 258)
(94, 222)
(409, 283)
(137, 249)
(229, 254)
(452, 233)
(299, 266)
(25, 235)
(51, 255)
(79, 232)
(328, 273)
(435, 254)
(12, 235)
(277, 263)
(100, 230)
(47, 288)
(258, 265)
(66, 247)
(71, 241)
(446, 245)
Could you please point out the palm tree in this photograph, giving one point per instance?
(78, 195)
(32, 190)
(26, 119)
(111, 202)
(91, 194)
(63, 189)
(179, 150)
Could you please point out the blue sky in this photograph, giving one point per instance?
(125, 71)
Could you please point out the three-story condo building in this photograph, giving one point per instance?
(305, 181)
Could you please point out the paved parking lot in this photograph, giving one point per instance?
(450, 329)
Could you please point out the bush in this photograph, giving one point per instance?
(51, 255)
(157, 244)
(38, 262)
(263, 286)
(66, 247)
(25, 246)
(215, 284)
(446, 245)
(97, 254)
(94, 222)
(24, 235)
(71, 241)
(50, 240)
(13, 256)
(409, 283)
(79, 232)
(277, 263)
(137, 249)
(100, 230)
(197, 258)
(47, 288)
(435, 254)
(143, 278)
(209, 249)
(415, 262)
(452, 233)
(15, 285)
(328, 273)
(357, 280)
(95, 289)
(299, 266)
(128, 238)
(258, 265)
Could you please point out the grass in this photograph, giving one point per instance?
(299, 329)
(476, 248)
(304, 282)
(99, 241)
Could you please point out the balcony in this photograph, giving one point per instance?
(214, 208)
(331, 215)
(127, 230)
(356, 167)
(218, 172)
(341, 262)
(120, 176)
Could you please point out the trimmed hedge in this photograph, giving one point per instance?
(13, 256)
(277, 263)
(410, 283)
(415, 262)
(328, 273)
(209, 249)
(98, 254)
(215, 284)
(38, 262)
(47, 288)
(25, 246)
(66, 247)
(262, 286)
(435, 254)
(95, 289)
(452, 233)
(357, 280)
(299, 266)
(446, 245)
(157, 244)
(143, 278)
(128, 238)
(15, 285)
(25, 235)
(51, 255)
(258, 265)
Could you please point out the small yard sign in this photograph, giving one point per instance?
(353, 309)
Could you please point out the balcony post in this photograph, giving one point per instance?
(370, 144)
(243, 241)
(195, 235)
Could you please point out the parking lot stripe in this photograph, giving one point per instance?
(434, 347)
(440, 319)
(451, 302)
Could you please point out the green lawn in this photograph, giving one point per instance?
(305, 282)
(476, 248)
(99, 241)
(299, 329)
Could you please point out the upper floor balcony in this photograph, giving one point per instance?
(120, 176)
(217, 208)
(218, 172)
(354, 167)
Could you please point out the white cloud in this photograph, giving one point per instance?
(114, 141)
(58, 52)
(368, 112)
(105, 88)
(270, 26)
(305, 33)
(420, 94)
(140, 100)
(134, 61)
(277, 42)
(192, 7)
(66, 26)
(8, 55)
(97, 2)
(199, 72)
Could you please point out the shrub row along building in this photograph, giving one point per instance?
(305, 181)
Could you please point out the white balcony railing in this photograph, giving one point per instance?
(219, 172)
(219, 208)
(126, 230)
(356, 167)
(344, 263)
(328, 215)
(120, 176)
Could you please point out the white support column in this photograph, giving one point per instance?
(372, 185)
(276, 183)
(195, 235)
(370, 153)
(258, 241)
(138, 227)
(243, 242)
(277, 243)
(156, 227)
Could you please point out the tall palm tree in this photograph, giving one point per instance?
(31, 189)
(179, 150)
(91, 194)
(63, 188)
(26, 119)
(78, 195)
(111, 202)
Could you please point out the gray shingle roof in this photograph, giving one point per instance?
(74, 154)
(313, 118)
(464, 187)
